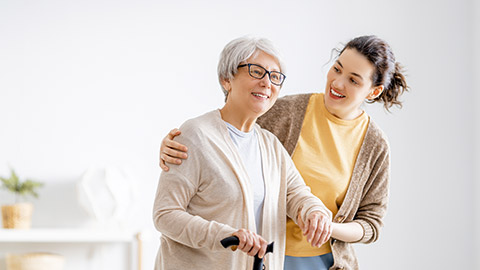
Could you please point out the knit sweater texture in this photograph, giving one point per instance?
(209, 196)
(367, 195)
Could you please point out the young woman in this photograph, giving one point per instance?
(240, 180)
(340, 152)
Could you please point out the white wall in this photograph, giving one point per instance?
(97, 83)
(476, 89)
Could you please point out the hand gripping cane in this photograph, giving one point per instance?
(234, 241)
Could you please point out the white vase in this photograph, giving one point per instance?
(107, 195)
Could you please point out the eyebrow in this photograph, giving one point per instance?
(266, 68)
(353, 73)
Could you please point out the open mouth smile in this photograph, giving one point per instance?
(335, 93)
(260, 95)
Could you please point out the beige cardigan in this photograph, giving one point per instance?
(209, 197)
(367, 195)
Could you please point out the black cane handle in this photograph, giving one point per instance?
(230, 241)
(234, 241)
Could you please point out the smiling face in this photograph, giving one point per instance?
(349, 83)
(249, 96)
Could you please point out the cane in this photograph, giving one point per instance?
(234, 241)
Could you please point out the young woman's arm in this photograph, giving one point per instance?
(374, 185)
(347, 232)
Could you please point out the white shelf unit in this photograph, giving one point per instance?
(72, 236)
(64, 236)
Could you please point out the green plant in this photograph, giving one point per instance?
(20, 188)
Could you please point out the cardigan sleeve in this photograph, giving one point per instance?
(373, 204)
(175, 190)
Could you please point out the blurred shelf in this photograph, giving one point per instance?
(65, 236)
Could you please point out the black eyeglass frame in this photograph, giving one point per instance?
(283, 76)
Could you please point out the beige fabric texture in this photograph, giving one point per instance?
(208, 197)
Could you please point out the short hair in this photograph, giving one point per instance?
(239, 50)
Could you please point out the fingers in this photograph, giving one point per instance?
(244, 238)
(329, 230)
(263, 248)
(311, 225)
(251, 243)
(255, 246)
(168, 159)
(173, 144)
(171, 151)
(319, 229)
(173, 133)
(162, 165)
(300, 223)
(320, 234)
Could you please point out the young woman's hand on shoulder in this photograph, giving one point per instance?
(171, 151)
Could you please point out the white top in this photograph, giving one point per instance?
(249, 150)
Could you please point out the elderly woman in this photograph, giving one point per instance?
(239, 180)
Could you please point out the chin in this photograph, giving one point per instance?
(257, 112)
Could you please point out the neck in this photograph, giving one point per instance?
(241, 121)
(344, 115)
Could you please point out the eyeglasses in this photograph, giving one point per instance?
(258, 72)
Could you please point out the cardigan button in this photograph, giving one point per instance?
(340, 219)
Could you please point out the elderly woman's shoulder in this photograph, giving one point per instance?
(201, 126)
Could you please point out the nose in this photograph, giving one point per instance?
(265, 81)
(338, 83)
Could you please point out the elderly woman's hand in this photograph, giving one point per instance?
(317, 228)
(251, 243)
(172, 151)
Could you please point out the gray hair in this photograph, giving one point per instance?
(238, 51)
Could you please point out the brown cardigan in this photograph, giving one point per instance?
(367, 195)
